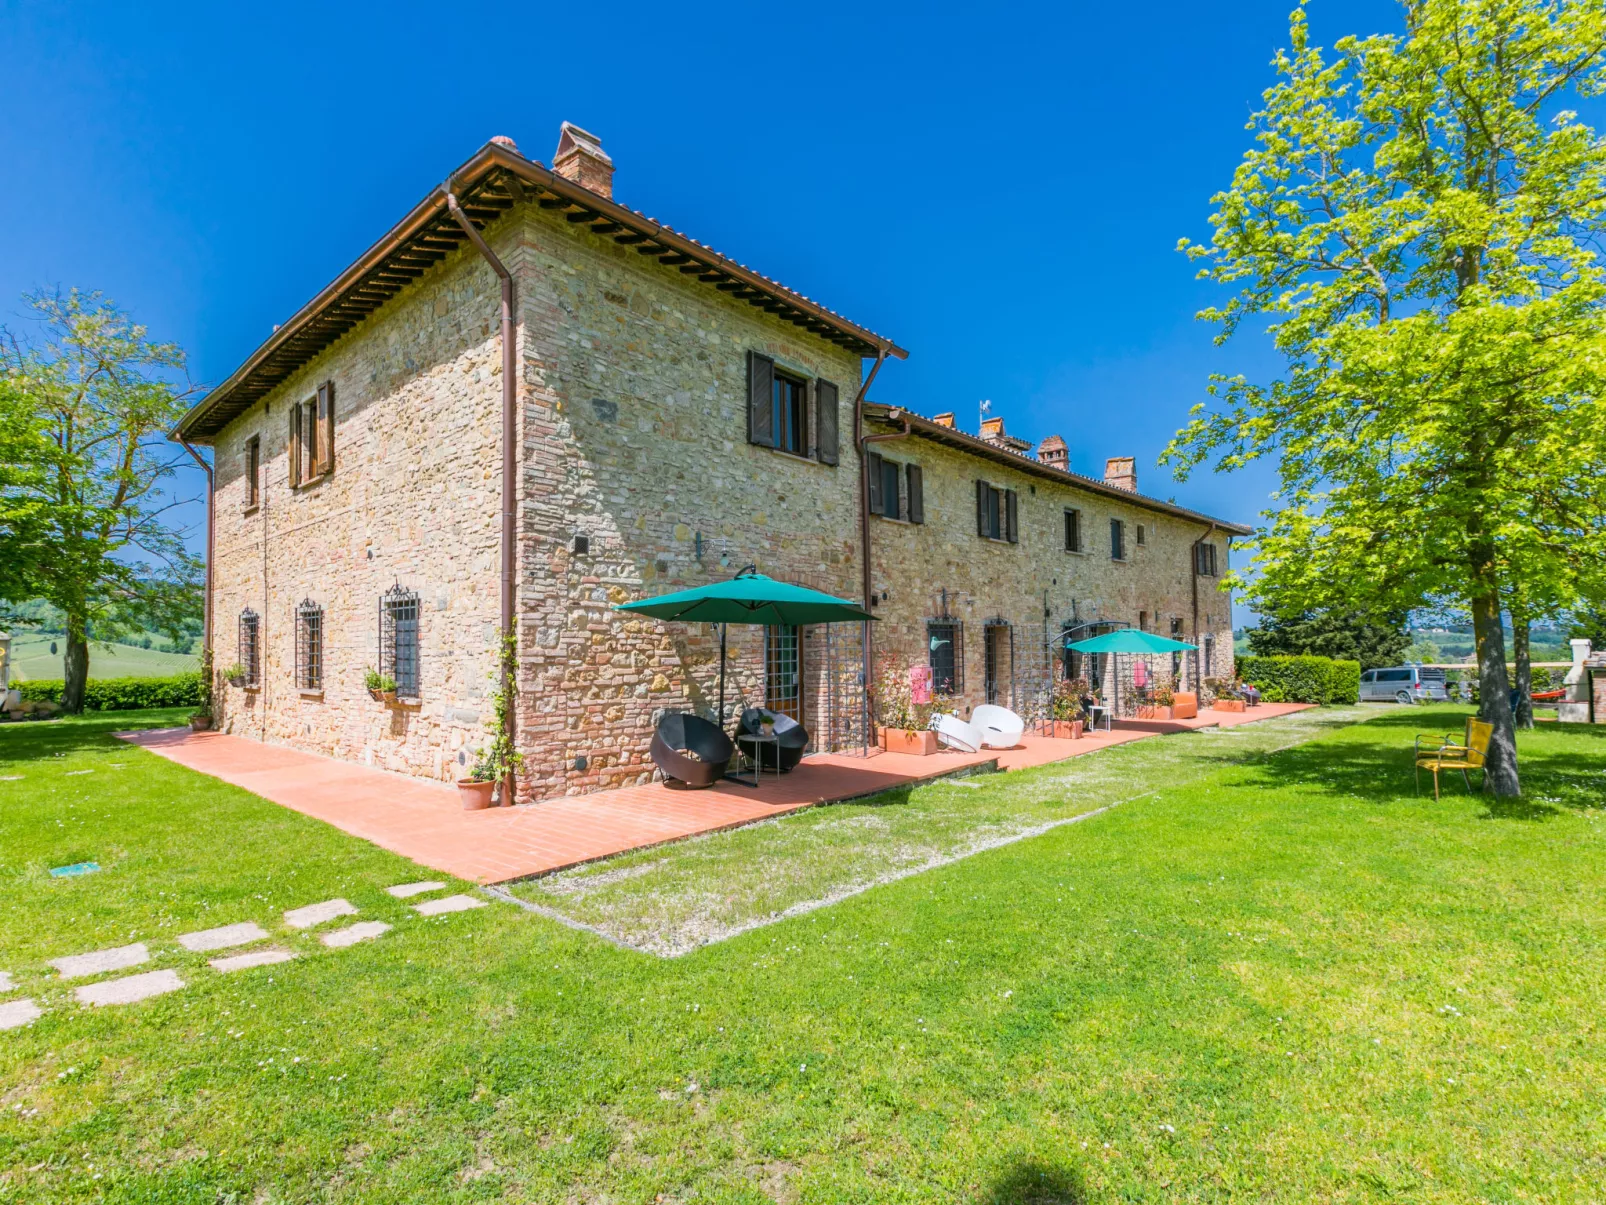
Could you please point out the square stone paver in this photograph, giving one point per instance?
(5, 981)
(316, 914)
(452, 903)
(256, 958)
(130, 989)
(74, 966)
(221, 939)
(351, 935)
(403, 890)
(18, 1012)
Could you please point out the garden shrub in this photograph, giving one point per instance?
(1302, 679)
(121, 694)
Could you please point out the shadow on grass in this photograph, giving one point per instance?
(1035, 1182)
(34, 740)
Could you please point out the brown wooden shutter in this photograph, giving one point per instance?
(760, 400)
(326, 427)
(917, 497)
(826, 439)
(1010, 532)
(295, 446)
(872, 469)
(982, 490)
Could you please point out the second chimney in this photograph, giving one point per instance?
(1053, 452)
(1122, 473)
(580, 158)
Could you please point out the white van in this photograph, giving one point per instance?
(1405, 684)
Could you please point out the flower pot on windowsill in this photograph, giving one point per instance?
(475, 796)
(386, 697)
(901, 740)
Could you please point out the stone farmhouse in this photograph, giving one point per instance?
(527, 403)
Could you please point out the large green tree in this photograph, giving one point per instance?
(1416, 225)
(84, 509)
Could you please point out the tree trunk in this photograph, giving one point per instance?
(75, 666)
(1494, 688)
(1523, 715)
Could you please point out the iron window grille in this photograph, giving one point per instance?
(251, 647)
(398, 639)
(946, 641)
(309, 646)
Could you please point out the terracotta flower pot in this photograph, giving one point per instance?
(200, 723)
(899, 740)
(1076, 730)
(1227, 705)
(1066, 730)
(475, 795)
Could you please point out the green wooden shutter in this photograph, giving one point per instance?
(1011, 533)
(872, 471)
(760, 400)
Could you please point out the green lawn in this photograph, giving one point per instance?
(1281, 976)
(31, 659)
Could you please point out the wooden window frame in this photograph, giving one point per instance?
(1073, 529)
(1117, 540)
(312, 437)
(253, 473)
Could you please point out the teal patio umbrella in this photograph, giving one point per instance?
(749, 598)
(1130, 640)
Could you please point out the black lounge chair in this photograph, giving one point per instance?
(679, 732)
(791, 738)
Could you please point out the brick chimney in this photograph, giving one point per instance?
(992, 431)
(945, 420)
(580, 158)
(1122, 473)
(1053, 452)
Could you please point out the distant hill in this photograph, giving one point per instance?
(31, 659)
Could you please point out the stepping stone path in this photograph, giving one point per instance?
(256, 958)
(452, 903)
(221, 939)
(5, 982)
(403, 890)
(316, 914)
(14, 1013)
(341, 938)
(129, 989)
(76, 965)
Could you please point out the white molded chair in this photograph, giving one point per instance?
(956, 734)
(998, 727)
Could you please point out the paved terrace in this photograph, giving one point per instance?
(424, 821)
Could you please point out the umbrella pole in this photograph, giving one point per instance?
(722, 677)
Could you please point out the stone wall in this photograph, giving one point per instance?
(635, 439)
(1033, 585)
(413, 499)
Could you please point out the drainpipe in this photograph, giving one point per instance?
(862, 442)
(206, 621)
(1193, 576)
(510, 466)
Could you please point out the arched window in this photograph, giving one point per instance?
(309, 646)
(251, 647)
(398, 639)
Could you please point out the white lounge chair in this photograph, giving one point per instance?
(998, 727)
(956, 734)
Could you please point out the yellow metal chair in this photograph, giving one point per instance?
(1469, 753)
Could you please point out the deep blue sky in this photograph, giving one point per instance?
(999, 189)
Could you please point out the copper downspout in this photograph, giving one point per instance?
(861, 441)
(509, 476)
(1193, 577)
(206, 630)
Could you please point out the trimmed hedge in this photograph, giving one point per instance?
(1302, 679)
(121, 694)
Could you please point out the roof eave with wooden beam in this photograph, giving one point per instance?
(488, 185)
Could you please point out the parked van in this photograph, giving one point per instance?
(1405, 684)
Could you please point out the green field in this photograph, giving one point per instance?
(32, 659)
(1274, 973)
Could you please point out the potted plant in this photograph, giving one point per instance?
(1165, 699)
(381, 687)
(1068, 719)
(905, 724)
(476, 789)
(235, 674)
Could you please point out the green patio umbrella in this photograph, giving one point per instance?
(1130, 640)
(749, 598)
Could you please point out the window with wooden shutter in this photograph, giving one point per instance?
(1117, 540)
(760, 400)
(890, 502)
(826, 439)
(1204, 560)
(982, 490)
(917, 494)
(324, 459)
(253, 471)
(1011, 531)
(994, 508)
(873, 479)
(295, 446)
(1073, 531)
